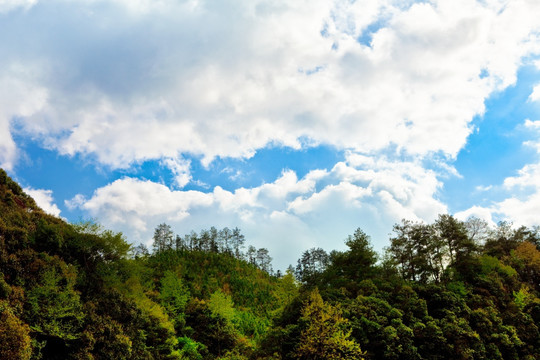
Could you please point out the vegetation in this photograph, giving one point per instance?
(447, 290)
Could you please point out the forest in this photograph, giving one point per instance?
(445, 290)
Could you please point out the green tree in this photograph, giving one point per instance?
(221, 305)
(163, 238)
(453, 233)
(311, 266)
(263, 260)
(347, 269)
(325, 335)
(53, 306)
(174, 297)
(211, 330)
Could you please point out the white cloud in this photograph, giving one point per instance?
(153, 82)
(522, 203)
(124, 82)
(288, 215)
(483, 188)
(9, 5)
(44, 199)
(480, 212)
(180, 169)
(523, 207)
(535, 95)
(130, 201)
(19, 97)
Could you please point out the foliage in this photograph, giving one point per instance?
(324, 335)
(15, 341)
(446, 290)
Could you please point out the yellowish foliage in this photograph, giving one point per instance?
(325, 336)
(15, 340)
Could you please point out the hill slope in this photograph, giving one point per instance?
(76, 292)
(447, 290)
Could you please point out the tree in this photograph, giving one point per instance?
(350, 267)
(53, 308)
(311, 265)
(263, 260)
(180, 243)
(163, 238)
(477, 229)
(527, 257)
(140, 251)
(210, 329)
(205, 241)
(503, 239)
(225, 236)
(251, 254)
(237, 242)
(192, 240)
(287, 288)
(325, 335)
(454, 235)
(402, 252)
(213, 234)
(174, 296)
(418, 251)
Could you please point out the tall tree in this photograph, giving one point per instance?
(225, 236)
(237, 242)
(264, 261)
(213, 234)
(311, 265)
(477, 229)
(418, 251)
(163, 238)
(454, 234)
(252, 255)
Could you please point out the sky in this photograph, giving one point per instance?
(296, 121)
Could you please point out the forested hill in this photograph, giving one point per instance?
(81, 292)
(447, 290)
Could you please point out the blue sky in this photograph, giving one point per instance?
(297, 122)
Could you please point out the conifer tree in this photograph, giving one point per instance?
(163, 238)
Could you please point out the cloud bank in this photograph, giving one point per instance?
(320, 209)
(139, 80)
(394, 84)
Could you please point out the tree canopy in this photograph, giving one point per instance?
(445, 290)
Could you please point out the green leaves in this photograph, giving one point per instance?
(325, 335)
(53, 306)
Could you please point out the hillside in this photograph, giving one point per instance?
(447, 290)
(78, 292)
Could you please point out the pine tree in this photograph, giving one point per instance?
(163, 238)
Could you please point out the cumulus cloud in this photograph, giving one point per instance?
(523, 206)
(522, 203)
(44, 199)
(320, 209)
(139, 80)
(123, 82)
(535, 95)
(20, 97)
(479, 212)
